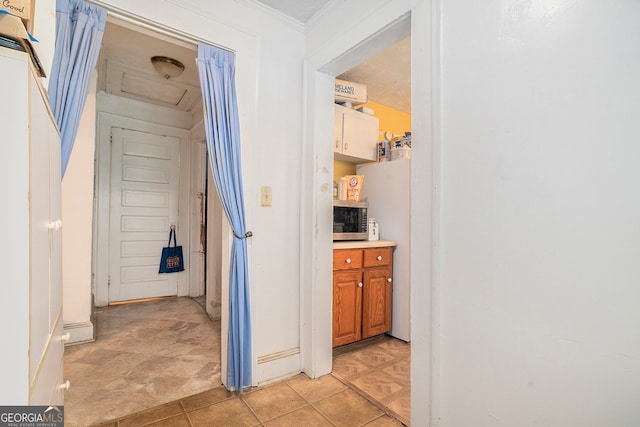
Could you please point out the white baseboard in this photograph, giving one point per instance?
(273, 367)
(79, 332)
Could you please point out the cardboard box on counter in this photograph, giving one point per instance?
(13, 28)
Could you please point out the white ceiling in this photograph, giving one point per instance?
(387, 76)
(125, 68)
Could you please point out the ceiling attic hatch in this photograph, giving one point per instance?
(128, 82)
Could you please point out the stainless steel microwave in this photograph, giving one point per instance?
(350, 220)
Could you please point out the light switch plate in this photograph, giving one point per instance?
(265, 196)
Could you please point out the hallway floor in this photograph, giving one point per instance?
(157, 363)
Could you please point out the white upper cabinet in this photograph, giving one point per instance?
(355, 136)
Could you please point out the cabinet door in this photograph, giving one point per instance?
(347, 306)
(46, 348)
(360, 135)
(55, 214)
(41, 244)
(376, 309)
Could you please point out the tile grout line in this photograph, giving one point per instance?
(352, 388)
(382, 365)
(378, 404)
(241, 397)
(342, 391)
(310, 404)
(184, 411)
(351, 379)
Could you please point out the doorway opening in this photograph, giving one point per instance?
(151, 174)
(150, 170)
(321, 104)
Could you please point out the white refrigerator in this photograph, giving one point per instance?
(387, 188)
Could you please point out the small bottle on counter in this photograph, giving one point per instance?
(342, 189)
(374, 232)
(335, 190)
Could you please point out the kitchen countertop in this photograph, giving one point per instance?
(355, 244)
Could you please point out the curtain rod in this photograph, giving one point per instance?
(156, 27)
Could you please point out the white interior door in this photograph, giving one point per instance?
(143, 206)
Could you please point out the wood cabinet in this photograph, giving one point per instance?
(31, 250)
(362, 293)
(355, 135)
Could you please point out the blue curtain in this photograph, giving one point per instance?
(216, 68)
(79, 29)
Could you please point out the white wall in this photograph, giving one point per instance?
(540, 213)
(44, 30)
(77, 216)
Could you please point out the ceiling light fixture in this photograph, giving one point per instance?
(167, 67)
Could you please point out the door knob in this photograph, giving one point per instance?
(389, 280)
(379, 257)
(360, 285)
(348, 260)
(66, 337)
(55, 226)
(64, 386)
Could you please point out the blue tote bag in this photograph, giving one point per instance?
(171, 260)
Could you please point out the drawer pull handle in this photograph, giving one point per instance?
(360, 285)
(389, 280)
(348, 260)
(64, 386)
(379, 257)
(66, 337)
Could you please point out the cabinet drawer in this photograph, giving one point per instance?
(345, 259)
(377, 256)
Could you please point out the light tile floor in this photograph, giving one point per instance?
(378, 368)
(164, 355)
(146, 354)
(297, 401)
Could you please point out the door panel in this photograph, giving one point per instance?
(144, 204)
